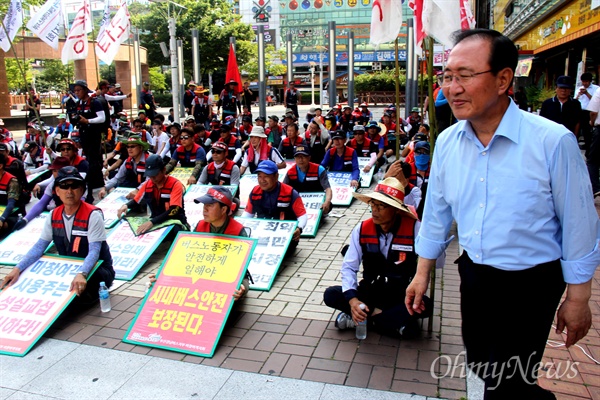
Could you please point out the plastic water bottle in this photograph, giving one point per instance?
(104, 298)
(361, 327)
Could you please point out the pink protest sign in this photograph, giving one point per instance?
(30, 306)
(188, 305)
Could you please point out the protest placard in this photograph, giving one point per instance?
(190, 301)
(274, 237)
(111, 204)
(340, 186)
(247, 183)
(18, 243)
(35, 175)
(30, 306)
(136, 222)
(365, 177)
(312, 204)
(193, 211)
(130, 252)
(182, 174)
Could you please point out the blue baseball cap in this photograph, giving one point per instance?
(267, 167)
(423, 145)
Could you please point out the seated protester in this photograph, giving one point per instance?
(215, 130)
(245, 129)
(306, 177)
(271, 199)
(144, 118)
(421, 165)
(161, 139)
(317, 138)
(221, 170)
(342, 158)
(6, 138)
(274, 131)
(288, 119)
(408, 151)
(373, 130)
(347, 120)
(415, 121)
(258, 151)
(364, 147)
(385, 246)
(15, 167)
(201, 138)
(139, 127)
(331, 123)
(77, 229)
(33, 134)
(310, 115)
(393, 133)
(63, 128)
(131, 173)
(175, 140)
(234, 146)
(188, 155)
(115, 158)
(260, 121)
(67, 148)
(10, 193)
(412, 194)
(50, 199)
(163, 195)
(365, 112)
(35, 158)
(289, 143)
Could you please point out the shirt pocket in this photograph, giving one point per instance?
(514, 197)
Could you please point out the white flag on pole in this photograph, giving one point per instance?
(105, 20)
(386, 19)
(45, 23)
(12, 21)
(440, 19)
(115, 33)
(76, 44)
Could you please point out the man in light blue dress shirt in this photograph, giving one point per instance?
(517, 187)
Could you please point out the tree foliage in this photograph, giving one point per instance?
(15, 76)
(251, 67)
(215, 23)
(55, 76)
(379, 81)
(157, 79)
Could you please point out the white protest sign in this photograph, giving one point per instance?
(365, 177)
(312, 204)
(340, 186)
(193, 211)
(247, 183)
(30, 306)
(18, 243)
(111, 204)
(274, 237)
(130, 252)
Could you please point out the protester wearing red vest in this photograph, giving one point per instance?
(10, 191)
(384, 244)
(342, 158)
(77, 229)
(221, 171)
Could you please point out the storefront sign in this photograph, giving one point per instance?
(188, 305)
(30, 306)
(274, 237)
(130, 252)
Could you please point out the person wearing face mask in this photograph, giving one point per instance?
(420, 168)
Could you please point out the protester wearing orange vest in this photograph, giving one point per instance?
(384, 244)
(77, 229)
(342, 158)
(221, 171)
(10, 191)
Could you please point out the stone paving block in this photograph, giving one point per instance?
(298, 326)
(221, 354)
(247, 320)
(317, 375)
(326, 348)
(346, 351)
(295, 367)
(423, 389)
(375, 359)
(316, 328)
(269, 341)
(329, 365)
(275, 364)
(291, 310)
(251, 355)
(250, 339)
(294, 349)
(300, 340)
(84, 334)
(452, 394)
(381, 378)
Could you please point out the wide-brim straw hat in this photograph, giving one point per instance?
(389, 191)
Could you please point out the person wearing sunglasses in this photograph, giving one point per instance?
(77, 230)
(188, 154)
(221, 170)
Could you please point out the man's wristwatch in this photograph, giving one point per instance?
(299, 228)
(84, 274)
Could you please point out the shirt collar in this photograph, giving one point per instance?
(508, 127)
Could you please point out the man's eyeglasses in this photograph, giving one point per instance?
(464, 78)
(378, 206)
(69, 148)
(185, 137)
(218, 151)
(67, 185)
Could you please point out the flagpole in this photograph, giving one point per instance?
(136, 94)
(397, 73)
(37, 114)
(97, 74)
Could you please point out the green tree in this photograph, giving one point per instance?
(215, 23)
(15, 76)
(379, 81)
(108, 72)
(271, 55)
(157, 79)
(55, 76)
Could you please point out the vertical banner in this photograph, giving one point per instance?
(340, 186)
(130, 252)
(189, 303)
(193, 211)
(111, 204)
(30, 306)
(365, 177)
(18, 243)
(247, 183)
(46, 22)
(182, 174)
(274, 237)
(312, 203)
(116, 32)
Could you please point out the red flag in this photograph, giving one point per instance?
(417, 7)
(233, 72)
